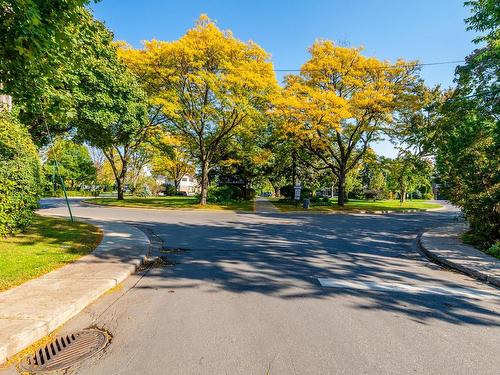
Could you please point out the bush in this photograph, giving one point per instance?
(146, 191)
(494, 250)
(374, 194)
(356, 194)
(429, 195)
(170, 190)
(20, 176)
(316, 199)
(223, 193)
(417, 195)
(288, 191)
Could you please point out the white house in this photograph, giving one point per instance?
(188, 184)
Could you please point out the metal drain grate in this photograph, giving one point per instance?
(65, 351)
(173, 250)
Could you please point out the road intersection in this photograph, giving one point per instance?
(245, 296)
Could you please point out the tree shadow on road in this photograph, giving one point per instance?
(282, 256)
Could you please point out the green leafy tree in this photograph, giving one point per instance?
(20, 176)
(278, 169)
(468, 165)
(74, 163)
(42, 42)
(464, 128)
(111, 107)
(408, 172)
(353, 182)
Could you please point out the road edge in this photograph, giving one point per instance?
(427, 247)
(25, 338)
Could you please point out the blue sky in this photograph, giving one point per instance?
(426, 30)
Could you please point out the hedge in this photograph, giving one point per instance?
(20, 176)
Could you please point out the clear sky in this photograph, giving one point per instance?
(425, 30)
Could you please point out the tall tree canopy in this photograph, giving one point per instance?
(340, 102)
(111, 112)
(74, 164)
(42, 42)
(462, 128)
(208, 84)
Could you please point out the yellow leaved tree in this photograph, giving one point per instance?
(204, 86)
(171, 159)
(340, 102)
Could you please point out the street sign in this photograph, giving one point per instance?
(297, 192)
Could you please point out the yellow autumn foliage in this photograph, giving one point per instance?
(339, 89)
(207, 85)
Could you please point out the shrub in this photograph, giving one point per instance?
(288, 191)
(374, 194)
(20, 176)
(494, 250)
(315, 199)
(224, 193)
(305, 193)
(417, 194)
(146, 191)
(356, 194)
(170, 190)
(429, 195)
(320, 201)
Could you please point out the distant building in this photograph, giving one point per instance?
(188, 184)
(5, 101)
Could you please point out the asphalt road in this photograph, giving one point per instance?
(244, 298)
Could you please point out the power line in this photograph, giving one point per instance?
(394, 66)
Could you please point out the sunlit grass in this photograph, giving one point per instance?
(174, 203)
(358, 205)
(48, 243)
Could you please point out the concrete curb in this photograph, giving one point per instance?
(36, 308)
(364, 212)
(443, 245)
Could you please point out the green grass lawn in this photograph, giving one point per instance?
(48, 243)
(358, 205)
(69, 193)
(173, 203)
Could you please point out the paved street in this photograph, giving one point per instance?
(270, 293)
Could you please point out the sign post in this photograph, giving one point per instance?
(297, 189)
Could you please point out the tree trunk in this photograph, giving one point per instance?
(120, 181)
(277, 192)
(204, 182)
(245, 190)
(341, 197)
(177, 185)
(119, 189)
(402, 196)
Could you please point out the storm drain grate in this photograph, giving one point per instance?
(65, 351)
(173, 250)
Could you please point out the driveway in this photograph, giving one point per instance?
(272, 293)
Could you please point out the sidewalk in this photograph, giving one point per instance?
(34, 309)
(264, 206)
(445, 246)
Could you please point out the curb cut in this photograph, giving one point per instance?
(445, 261)
(22, 332)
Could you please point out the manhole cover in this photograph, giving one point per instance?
(65, 351)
